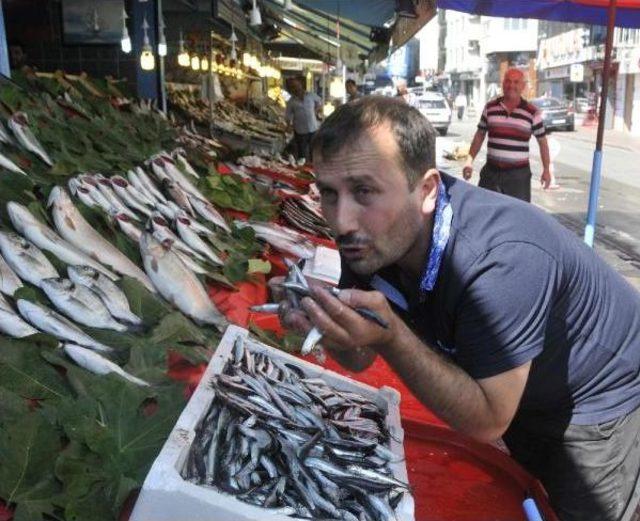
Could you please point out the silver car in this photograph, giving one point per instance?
(435, 108)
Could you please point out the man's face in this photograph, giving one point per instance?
(513, 85)
(351, 89)
(366, 200)
(295, 87)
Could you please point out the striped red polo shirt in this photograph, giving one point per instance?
(510, 132)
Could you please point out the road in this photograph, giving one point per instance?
(618, 222)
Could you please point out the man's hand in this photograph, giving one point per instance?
(467, 171)
(343, 328)
(545, 178)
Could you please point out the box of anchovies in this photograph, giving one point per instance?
(268, 436)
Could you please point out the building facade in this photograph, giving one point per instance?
(580, 49)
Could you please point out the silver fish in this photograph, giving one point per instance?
(127, 226)
(188, 235)
(19, 125)
(44, 237)
(282, 238)
(4, 135)
(74, 228)
(150, 186)
(5, 162)
(47, 320)
(136, 182)
(9, 281)
(25, 259)
(80, 304)
(13, 325)
(162, 233)
(97, 364)
(106, 189)
(176, 175)
(184, 164)
(209, 213)
(177, 283)
(179, 195)
(131, 197)
(110, 294)
(200, 229)
(313, 337)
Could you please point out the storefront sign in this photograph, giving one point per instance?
(577, 72)
(563, 49)
(629, 60)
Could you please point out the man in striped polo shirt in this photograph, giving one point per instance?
(510, 121)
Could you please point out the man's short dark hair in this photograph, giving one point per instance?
(414, 135)
(350, 82)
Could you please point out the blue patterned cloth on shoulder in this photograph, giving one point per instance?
(440, 237)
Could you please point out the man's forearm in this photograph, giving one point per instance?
(356, 360)
(443, 387)
(544, 153)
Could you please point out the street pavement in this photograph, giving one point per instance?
(618, 221)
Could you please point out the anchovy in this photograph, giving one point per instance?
(111, 295)
(177, 284)
(47, 320)
(74, 228)
(98, 364)
(25, 259)
(44, 237)
(265, 308)
(80, 304)
(311, 340)
(19, 125)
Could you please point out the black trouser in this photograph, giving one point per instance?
(460, 112)
(515, 182)
(591, 472)
(302, 145)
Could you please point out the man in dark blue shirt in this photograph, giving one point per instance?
(501, 321)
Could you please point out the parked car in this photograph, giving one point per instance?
(556, 114)
(435, 108)
(582, 105)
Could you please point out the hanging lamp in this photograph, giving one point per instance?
(147, 58)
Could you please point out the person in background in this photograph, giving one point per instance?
(302, 113)
(500, 320)
(402, 92)
(510, 121)
(352, 90)
(460, 104)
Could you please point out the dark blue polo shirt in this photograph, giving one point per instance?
(513, 286)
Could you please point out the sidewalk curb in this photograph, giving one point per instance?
(576, 136)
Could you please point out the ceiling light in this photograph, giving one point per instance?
(125, 42)
(255, 18)
(162, 40)
(147, 59)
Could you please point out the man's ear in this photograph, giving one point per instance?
(429, 190)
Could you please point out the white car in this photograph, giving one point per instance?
(435, 108)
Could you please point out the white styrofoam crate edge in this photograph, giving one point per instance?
(166, 496)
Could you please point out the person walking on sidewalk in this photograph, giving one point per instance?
(461, 104)
(510, 121)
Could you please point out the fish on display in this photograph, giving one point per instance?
(284, 239)
(5, 162)
(4, 135)
(9, 281)
(276, 438)
(146, 182)
(12, 325)
(73, 227)
(200, 229)
(19, 125)
(180, 158)
(209, 213)
(106, 189)
(133, 198)
(80, 304)
(44, 237)
(127, 226)
(98, 364)
(88, 193)
(177, 284)
(161, 231)
(179, 195)
(47, 320)
(171, 170)
(25, 259)
(188, 235)
(110, 294)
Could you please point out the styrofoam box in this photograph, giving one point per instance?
(166, 496)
